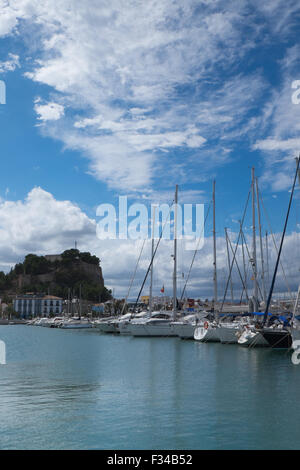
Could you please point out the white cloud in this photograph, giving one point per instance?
(130, 70)
(280, 127)
(40, 224)
(10, 64)
(49, 111)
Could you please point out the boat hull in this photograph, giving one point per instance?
(228, 335)
(76, 327)
(107, 327)
(277, 339)
(207, 335)
(184, 330)
(151, 330)
(252, 339)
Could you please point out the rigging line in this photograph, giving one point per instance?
(237, 265)
(243, 219)
(133, 276)
(275, 245)
(151, 262)
(281, 244)
(249, 256)
(195, 252)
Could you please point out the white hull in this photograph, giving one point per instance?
(124, 328)
(252, 339)
(295, 333)
(228, 334)
(144, 329)
(184, 330)
(206, 335)
(107, 327)
(73, 326)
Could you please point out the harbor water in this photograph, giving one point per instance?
(79, 389)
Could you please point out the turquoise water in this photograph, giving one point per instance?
(83, 390)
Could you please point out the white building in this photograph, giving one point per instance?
(38, 305)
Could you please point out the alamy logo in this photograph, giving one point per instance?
(136, 222)
(296, 353)
(2, 353)
(2, 92)
(296, 94)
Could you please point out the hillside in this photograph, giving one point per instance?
(57, 274)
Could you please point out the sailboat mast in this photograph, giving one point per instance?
(243, 254)
(229, 264)
(267, 255)
(261, 244)
(254, 242)
(215, 246)
(151, 272)
(175, 256)
(281, 243)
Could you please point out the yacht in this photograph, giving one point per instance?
(185, 328)
(107, 325)
(251, 337)
(76, 323)
(207, 333)
(229, 331)
(277, 336)
(159, 324)
(125, 324)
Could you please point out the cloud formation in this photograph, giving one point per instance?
(43, 225)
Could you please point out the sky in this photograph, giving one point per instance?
(110, 98)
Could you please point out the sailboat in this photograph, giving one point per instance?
(295, 323)
(159, 323)
(208, 331)
(279, 337)
(230, 332)
(250, 337)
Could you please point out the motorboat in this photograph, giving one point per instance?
(107, 325)
(125, 324)
(159, 324)
(76, 323)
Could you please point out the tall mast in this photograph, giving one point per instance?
(267, 255)
(80, 306)
(261, 244)
(151, 272)
(243, 254)
(229, 264)
(175, 256)
(281, 243)
(254, 242)
(215, 246)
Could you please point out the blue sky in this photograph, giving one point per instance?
(130, 98)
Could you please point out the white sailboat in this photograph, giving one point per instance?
(160, 323)
(207, 333)
(295, 324)
(251, 337)
(185, 328)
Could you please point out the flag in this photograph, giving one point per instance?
(162, 289)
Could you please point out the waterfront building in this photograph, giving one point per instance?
(38, 305)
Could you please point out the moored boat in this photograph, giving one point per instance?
(208, 333)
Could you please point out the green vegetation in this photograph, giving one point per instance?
(66, 276)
